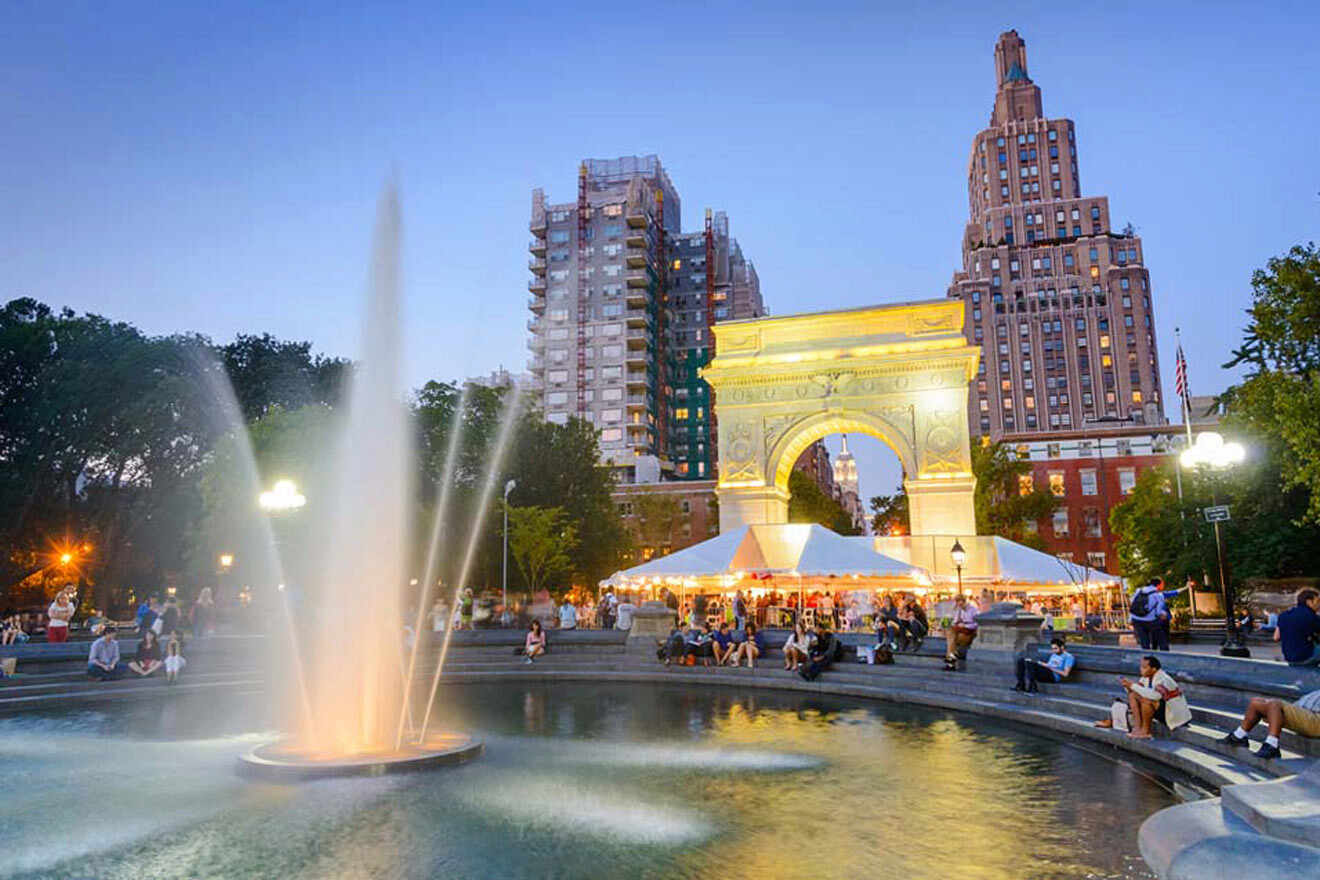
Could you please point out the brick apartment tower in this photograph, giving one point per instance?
(1059, 302)
(622, 302)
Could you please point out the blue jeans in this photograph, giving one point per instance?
(1313, 660)
(94, 671)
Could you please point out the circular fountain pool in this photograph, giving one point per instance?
(280, 761)
(577, 781)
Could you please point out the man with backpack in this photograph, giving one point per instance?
(1144, 611)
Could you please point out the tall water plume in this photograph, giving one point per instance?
(354, 609)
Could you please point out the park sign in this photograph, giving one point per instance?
(1218, 513)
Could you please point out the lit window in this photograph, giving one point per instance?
(1024, 484)
(1127, 480)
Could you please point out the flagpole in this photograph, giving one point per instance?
(1181, 368)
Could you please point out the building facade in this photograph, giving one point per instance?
(668, 516)
(1089, 473)
(622, 301)
(848, 492)
(1057, 299)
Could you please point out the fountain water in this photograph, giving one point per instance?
(351, 636)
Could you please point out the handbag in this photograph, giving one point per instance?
(1119, 714)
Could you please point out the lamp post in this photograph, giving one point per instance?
(959, 556)
(508, 487)
(1212, 455)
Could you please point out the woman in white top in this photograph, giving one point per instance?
(59, 614)
(798, 646)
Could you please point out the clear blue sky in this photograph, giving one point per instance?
(214, 166)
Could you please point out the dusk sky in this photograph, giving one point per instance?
(214, 167)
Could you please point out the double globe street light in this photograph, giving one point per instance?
(1209, 454)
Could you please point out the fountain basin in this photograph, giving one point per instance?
(278, 761)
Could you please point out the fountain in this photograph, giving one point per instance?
(354, 681)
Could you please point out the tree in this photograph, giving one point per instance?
(266, 372)
(654, 518)
(889, 513)
(540, 542)
(1280, 398)
(808, 504)
(1264, 539)
(1005, 504)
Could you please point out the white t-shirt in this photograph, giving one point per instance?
(567, 616)
(57, 621)
(626, 610)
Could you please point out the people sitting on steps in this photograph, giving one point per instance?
(797, 647)
(1298, 630)
(103, 658)
(1155, 696)
(148, 658)
(1302, 717)
(671, 649)
(534, 643)
(915, 626)
(1057, 668)
(961, 634)
(750, 647)
(824, 651)
(721, 645)
(698, 644)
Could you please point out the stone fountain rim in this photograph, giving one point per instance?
(255, 764)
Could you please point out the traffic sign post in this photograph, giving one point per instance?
(1216, 514)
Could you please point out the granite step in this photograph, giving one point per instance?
(1288, 809)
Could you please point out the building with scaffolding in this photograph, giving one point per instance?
(622, 301)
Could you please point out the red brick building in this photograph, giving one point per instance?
(1090, 472)
(667, 516)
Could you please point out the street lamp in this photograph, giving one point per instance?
(226, 561)
(1212, 454)
(508, 487)
(283, 496)
(959, 557)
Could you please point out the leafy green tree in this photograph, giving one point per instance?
(889, 513)
(1280, 398)
(654, 519)
(541, 541)
(808, 504)
(266, 372)
(1264, 539)
(1004, 505)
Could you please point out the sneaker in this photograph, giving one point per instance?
(1019, 688)
(1266, 752)
(1229, 739)
(527, 660)
(1033, 689)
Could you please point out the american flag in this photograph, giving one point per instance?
(1181, 372)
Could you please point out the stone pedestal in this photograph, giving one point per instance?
(651, 622)
(1005, 626)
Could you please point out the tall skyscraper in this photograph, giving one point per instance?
(1059, 302)
(622, 303)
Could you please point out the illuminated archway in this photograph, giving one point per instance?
(899, 373)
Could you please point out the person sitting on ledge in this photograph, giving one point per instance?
(822, 653)
(751, 646)
(915, 626)
(671, 649)
(1301, 717)
(147, 659)
(534, 644)
(698, 644)
(1298, 629)
(1056, 669)
(103, 659)
(797, 647)
(721, 645)
(1153, 697)
(961, 633)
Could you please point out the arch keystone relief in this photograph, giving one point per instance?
(899, 373)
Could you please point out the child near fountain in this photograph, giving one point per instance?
(174, 661)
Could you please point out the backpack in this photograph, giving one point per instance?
(1140, 606)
